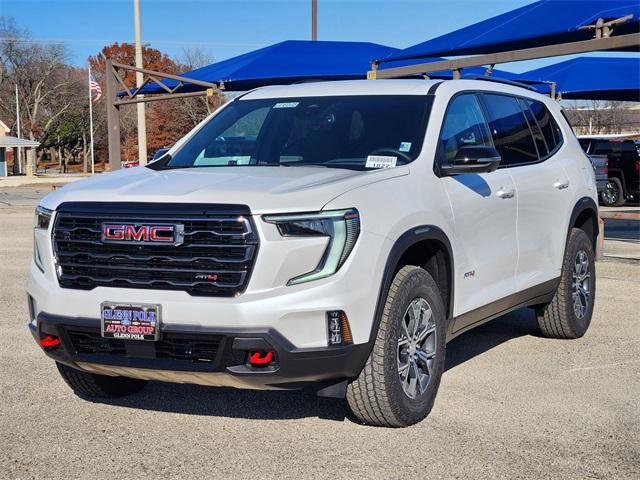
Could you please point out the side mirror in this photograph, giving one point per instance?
(473, 159)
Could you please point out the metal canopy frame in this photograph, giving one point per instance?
(456, 65)
(602, 41)
(132, 95)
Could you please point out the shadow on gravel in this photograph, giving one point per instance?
(481, 339)
(232, 403)
(281, 405)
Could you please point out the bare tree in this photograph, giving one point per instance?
(196, 109)
(43, 79)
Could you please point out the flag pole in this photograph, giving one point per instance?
(91, 122)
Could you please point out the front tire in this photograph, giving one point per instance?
(568, 315)
(91, 385)
(398, 385)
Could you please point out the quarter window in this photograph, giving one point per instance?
(549, 127)
(464, 124)
(511, 133)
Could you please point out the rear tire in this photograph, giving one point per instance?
(613, 196)
(398, 385)
(568, 315)
(91, 385)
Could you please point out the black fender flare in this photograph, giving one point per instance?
(582, 205)
(401, 245)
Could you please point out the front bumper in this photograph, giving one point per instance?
(224, 364)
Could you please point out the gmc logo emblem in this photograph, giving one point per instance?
(136, 233)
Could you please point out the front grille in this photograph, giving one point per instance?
(172, 346)
(215, 258)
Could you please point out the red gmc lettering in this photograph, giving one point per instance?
(113, 232)
(142, 233)
(155, 233)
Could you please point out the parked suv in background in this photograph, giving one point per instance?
(328, 235)
(623, 168)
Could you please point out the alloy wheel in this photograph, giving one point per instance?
(416, 348)
(610, 193)
(581, 287)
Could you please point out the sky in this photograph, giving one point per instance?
(223, 29)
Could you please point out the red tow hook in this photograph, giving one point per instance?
(260, 359)
(50, 341)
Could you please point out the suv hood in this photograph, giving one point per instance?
(263, 189)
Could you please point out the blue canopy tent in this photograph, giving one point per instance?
(286, 62)
(293, 61)
(543, 23)
(593, 78)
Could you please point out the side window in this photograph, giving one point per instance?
(536, 132)
(549, 127)
(464, 124)
(511, 133)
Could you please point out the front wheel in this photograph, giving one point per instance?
(568, 315)
(397, 386)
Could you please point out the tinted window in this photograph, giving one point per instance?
(464, 124)
(510, 130)
(538, 137)
(615, 147)
(332, 131)
(603, 147)
(549, 127)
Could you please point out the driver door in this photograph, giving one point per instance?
(484, 210)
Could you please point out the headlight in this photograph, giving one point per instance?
(341, 226)
(40, 222)
(42, 218)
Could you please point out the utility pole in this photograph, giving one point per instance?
(142, 124)
(18, 130)
(314, 19)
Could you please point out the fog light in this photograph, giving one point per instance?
(339, 330)
(50, 341)
(260, 359)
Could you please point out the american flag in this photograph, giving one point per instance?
(95, 87)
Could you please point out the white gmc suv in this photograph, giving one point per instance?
(328, 235)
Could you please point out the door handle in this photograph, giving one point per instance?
(502, 193)
(561, 185)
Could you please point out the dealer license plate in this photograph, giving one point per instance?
(138, 321)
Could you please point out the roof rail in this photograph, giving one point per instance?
(499, 80)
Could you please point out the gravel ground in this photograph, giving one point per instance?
(511, 405)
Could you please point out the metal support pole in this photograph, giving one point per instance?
(142, 123)
(314, 19)
(19, 159)
(113, 119)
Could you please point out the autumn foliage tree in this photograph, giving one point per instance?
(167, 121)
(54, 97)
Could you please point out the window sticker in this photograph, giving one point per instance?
(404, 146)
(286, 105)
(380, 161)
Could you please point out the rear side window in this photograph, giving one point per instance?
(548, 126)
(511, 133)
(536, 132)
(464, 124)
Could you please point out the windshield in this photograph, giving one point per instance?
(340, 131)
